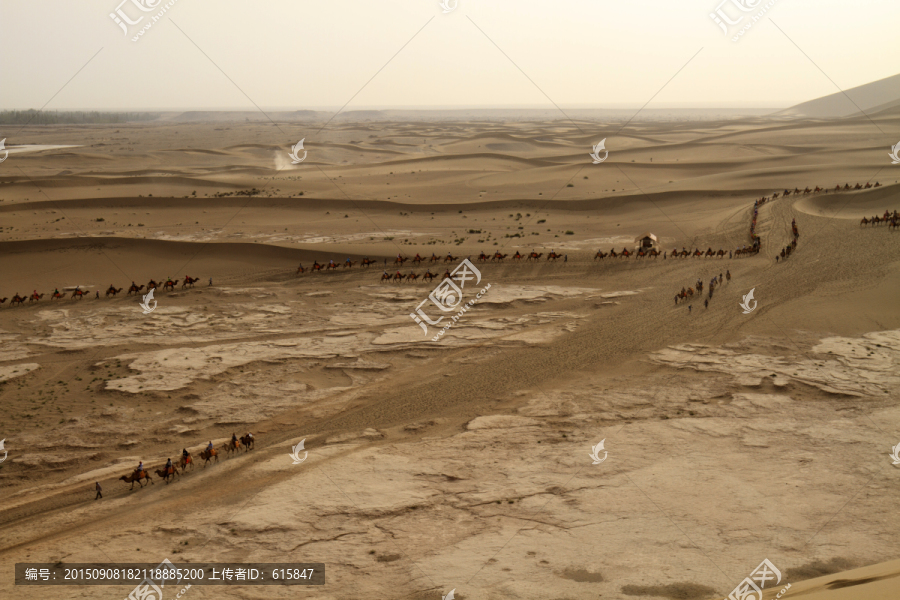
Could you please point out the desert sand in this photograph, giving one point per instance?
(464, 463)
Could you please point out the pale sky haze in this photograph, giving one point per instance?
(299, 54)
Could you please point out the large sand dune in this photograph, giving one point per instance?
(462, 463)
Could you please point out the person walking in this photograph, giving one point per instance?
(210, 281)
(706, 304)
(99, 490)
(729, 254)
(690, 306)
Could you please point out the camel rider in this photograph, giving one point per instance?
(168, 465)
(348, 260)
(233, 439)
(184, 453)
(331, 261)
(56, 291)
(209, 448)
(140, 468)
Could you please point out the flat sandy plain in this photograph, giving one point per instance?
(463, 463)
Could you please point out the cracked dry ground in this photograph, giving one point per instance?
(465, 464)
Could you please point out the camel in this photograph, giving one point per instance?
(136, 477)
(796, 191)
(858, 187)
(499, 257)
(599, 255)
(317, 267)
(428, 276)
(385, 276)
(482, 257)
(654, 253)
(877, 184)
(331, 265)
(775, 196)
(894, 224)
(720, 253)
(35, 297)
(786, 193)
(135, 289)
(817, 190)
(17, 299)
(698, 252)
(248, 442)
(166, 473)
(641, 253)
(207, 455)
(400, 260)
(398, 277)
(446, 275)
(185, 461)
(232, 446)
(434, 258)
(53, 296)
(535, 255)
(170, 284)
(417, 259)
(450, 258)
(553, 255)
(612, 253)
(300, 269)
(412, 277)
(518, 255)
(112, 291)
(709, 252)
(2, 300)
(348, 264)
(366, 262)
(152, 285)
(79, 294)
(807, 191)
(189, 281)
(625, 253)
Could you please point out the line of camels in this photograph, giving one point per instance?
(245, 443)
(891, 218)
(79, 293)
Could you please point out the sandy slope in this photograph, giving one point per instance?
(462, 463)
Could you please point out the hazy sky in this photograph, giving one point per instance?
(298, 54)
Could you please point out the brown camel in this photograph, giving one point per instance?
(137, 477)
(170, 284)
(135, 289)
(166, 473)
(112, 291)
(35, 297)
(248, 441)
(206, 455)
(79, 294)
(187, 460)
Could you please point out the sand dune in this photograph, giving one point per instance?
(462, 463)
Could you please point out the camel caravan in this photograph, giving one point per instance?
(891, 218)
(79, 294)
(209, 454)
